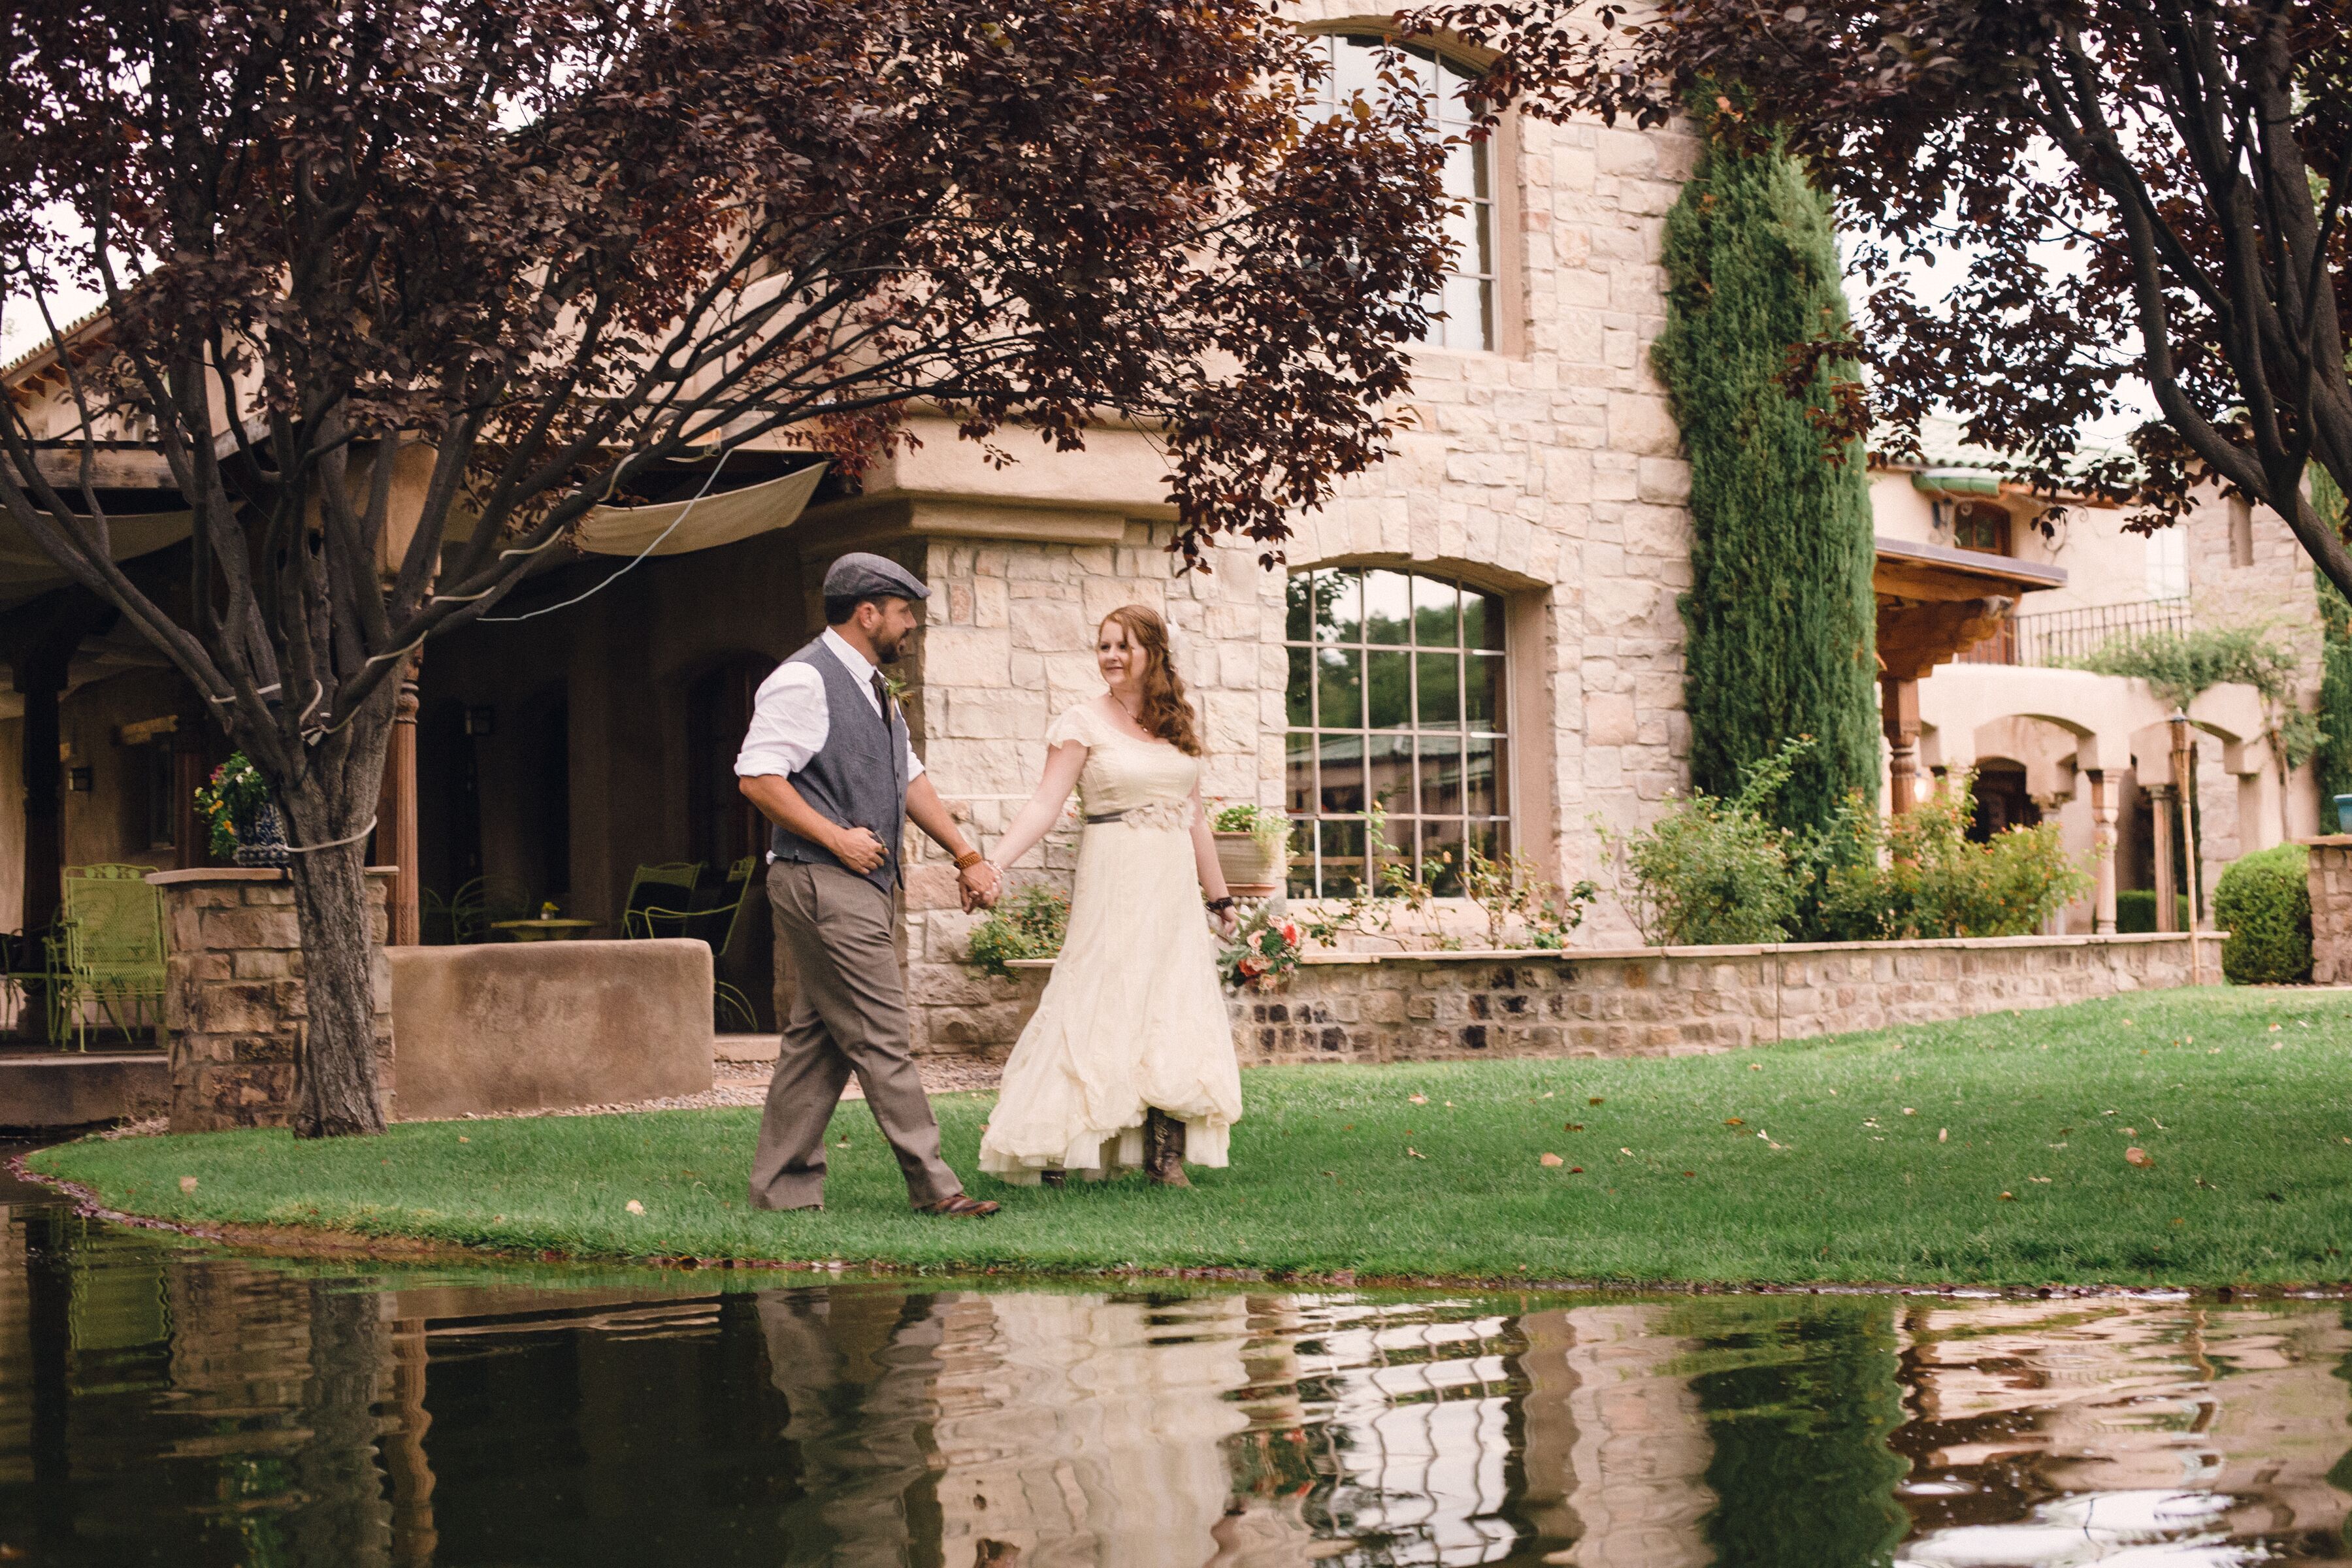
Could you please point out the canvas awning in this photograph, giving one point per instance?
(678, 527)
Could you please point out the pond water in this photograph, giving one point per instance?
(167, 1404)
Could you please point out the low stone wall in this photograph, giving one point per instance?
(535, 1025)
(2329, 872)
(1630, 1002)
(234, 1006)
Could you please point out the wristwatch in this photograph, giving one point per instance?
(1219, 906)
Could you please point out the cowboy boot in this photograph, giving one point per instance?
(1163, 1150)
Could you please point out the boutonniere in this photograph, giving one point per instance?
(894, 687)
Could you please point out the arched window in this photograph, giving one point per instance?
(1981, 525)
(1396, 702)
(1463, 315)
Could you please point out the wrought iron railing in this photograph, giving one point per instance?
(2064, 637)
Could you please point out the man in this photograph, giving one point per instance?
(828, 760)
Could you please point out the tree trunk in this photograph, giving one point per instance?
(335, 1076)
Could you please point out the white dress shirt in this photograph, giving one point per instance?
(789, 722)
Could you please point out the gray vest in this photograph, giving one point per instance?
(859, 777)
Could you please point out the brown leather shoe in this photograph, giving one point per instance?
(960, 1207)
(1163, 1150)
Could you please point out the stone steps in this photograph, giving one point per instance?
(49, 1090)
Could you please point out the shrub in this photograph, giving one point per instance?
(1919, 874)
(2264, 903)
(1779, 611)
(2135, 911)
(1029, 924)
(1713, 870)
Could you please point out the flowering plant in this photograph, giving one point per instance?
(233, 794)
(1262, 953)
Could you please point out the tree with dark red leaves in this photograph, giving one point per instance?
(406, 286)
(2146, 189)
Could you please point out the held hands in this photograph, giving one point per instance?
(981, 885)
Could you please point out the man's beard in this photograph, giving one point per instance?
(887, 652)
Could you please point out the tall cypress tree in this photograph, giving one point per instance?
(1781, 618)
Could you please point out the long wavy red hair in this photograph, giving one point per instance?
(1166, 713)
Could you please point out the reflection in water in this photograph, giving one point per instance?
(166, 1404)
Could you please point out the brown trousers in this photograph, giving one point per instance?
(849, 1016)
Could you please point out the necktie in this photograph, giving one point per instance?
(882, 699)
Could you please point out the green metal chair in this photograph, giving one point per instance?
(660, 899)
(717, 925)
(110, 945)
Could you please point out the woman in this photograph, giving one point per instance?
(1129, 1059)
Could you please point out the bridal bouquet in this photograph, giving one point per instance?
(1262, 953)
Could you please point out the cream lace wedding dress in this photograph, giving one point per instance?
(1133, 1017)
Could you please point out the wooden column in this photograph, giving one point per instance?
(395, 817)
(1899, 713)
(2103, 847)
(2168, 891)
(40, 645)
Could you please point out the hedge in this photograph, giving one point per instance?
(2264, 903)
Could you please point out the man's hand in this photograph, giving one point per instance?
(979, 886)
(857, 848)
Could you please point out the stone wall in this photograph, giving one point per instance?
(2329, 870)
(1631, 1002)
(233, 997)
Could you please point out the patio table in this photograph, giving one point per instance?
(542, 931)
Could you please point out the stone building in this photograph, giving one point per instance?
(1481, 637)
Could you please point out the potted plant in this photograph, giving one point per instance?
(242, 821)
(1251, 848)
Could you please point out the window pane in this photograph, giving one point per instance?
(1390, 686)
(1338, 612)
(1467, 230)
(1465, 170)
(1441, 857)
(1340, 689)
(1356, 66)
(1302, 860)
(1481, 788)
(1441, 774)
(1298, 604)
(1299, 695)
(1488, 838)
(1482, 620)
(1299, 774)
(1484, 698)
(1439, 676)
(1392, 780)
(1387, 606)
(1342, 775)
(1467, 314)
(1436, 613)
(1343, 857)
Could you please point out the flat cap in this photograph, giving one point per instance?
(860, 576)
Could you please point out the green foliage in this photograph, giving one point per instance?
(2135, 911)
(2264, 902)
(2333, 754)
(1512, 890)
(1919, 875)
(2179, 667)
(1713, 870)
(1780, 616)
(235, 792)
(1029, 924)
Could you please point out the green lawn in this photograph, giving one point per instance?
(1988, 1152)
